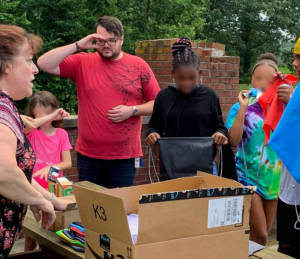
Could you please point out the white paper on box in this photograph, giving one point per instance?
(225, 212)
(133, 221)
(254, 247)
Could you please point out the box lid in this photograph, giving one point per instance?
(102, 212)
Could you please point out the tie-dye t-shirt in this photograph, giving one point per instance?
(256, 164)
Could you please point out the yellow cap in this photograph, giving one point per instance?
(297, 47)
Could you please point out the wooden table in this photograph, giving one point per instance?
(49, 242)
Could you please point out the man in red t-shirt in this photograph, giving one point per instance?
(114, 90)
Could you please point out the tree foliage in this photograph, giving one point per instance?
(250, 28)
(66, 21)
(247, 28)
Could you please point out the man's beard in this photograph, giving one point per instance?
(113, 55)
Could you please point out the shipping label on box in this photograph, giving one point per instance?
(225, 212)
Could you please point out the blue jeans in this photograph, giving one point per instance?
(107, 173)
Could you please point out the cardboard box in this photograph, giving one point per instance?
(196, 217)
(63, 187)
(65, 218)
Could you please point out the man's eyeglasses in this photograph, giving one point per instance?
(110, 42)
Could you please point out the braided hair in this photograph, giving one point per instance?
(183, 54)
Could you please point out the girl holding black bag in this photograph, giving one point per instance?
(187, 108)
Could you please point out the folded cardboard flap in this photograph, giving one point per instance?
(186, 214)
(171, 215)
(90, 186)
(132, 195)
(102, 212)
(212, 181)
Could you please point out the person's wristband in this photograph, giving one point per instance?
(135, 111)
(77, 46)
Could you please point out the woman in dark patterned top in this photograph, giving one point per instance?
(17, 159)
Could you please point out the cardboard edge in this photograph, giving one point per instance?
(139, 247)
(86, 186)
(197, 194)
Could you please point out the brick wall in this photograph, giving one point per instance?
(217, 71)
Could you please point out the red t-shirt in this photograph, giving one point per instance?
(104, 84)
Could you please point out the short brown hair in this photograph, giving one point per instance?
(11, 40)
(45, 99)
(111, 24)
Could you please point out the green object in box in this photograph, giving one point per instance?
(52, 187)
(68, 240)
(65, 191)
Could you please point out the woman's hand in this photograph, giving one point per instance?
(44, 211)
(244, 101)
(43, 173)
(220, 139)
(59, 204)
(152, 139)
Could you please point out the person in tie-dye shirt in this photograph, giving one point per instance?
(257, 165)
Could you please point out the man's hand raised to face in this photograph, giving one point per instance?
(90, 41)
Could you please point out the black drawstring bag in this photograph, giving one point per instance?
(184, 156)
